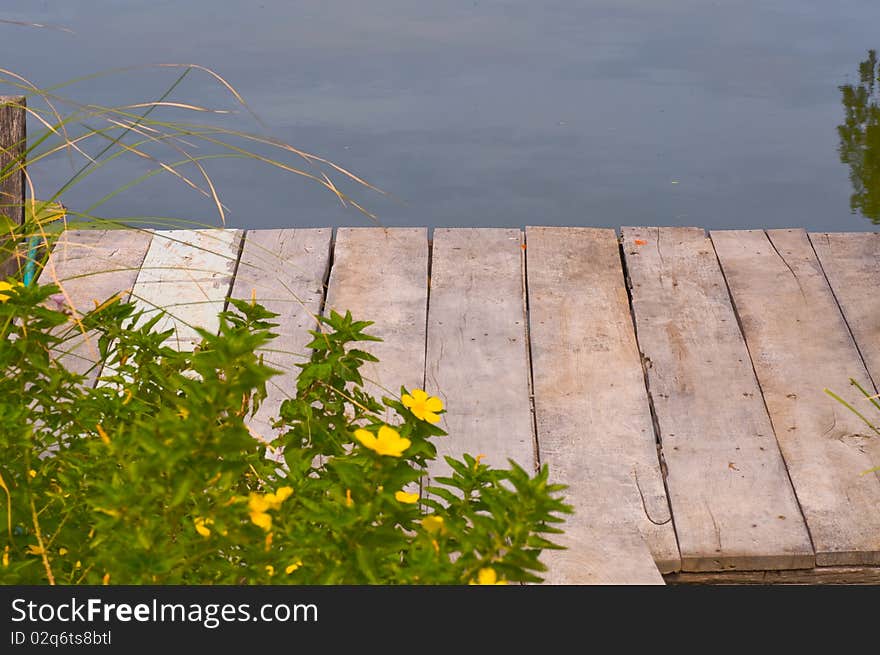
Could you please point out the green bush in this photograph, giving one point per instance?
(152, 476)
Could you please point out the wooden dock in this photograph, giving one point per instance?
(673, 379)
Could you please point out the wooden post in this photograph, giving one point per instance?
(13, 137)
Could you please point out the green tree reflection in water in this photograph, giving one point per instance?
(860, 138)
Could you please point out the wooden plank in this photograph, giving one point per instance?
(848, 575)
(284, 270)
(188, 274)
(851, 261)
(799, 344)
(92, 266)
(381, 275)
(477, 354)
(598, 552)
(592, 412)
(728, 485)
(13, 141)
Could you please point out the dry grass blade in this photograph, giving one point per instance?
(151, 133)
(44, 26)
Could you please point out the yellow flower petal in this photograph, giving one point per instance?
(62, 551)
(434, 524)
(6, 286)
(201, 526)
(487, 576)
(106, 579)
(270, 570)
(293, 567)
(261, 520)
(422, 405)
(258, 503)
(366, 438)
(407, 498)
(387, 442)
(33, 549)
(433, 404)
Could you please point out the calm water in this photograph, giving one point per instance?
(492, 113)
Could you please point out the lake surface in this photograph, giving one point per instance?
(486, 113)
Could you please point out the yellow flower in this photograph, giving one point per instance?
(32, 473)
(265, 502)
(270, 570)
(279, 497)
(348, 501)
(422, 405)
(487, 576)
(6, 556)
(434, 524)
(62, 551)
(293, 567)
(258, 503)
(34, 549)
(202, 526)
(262, 520)
(6, 286)
(388, 441)
(106, 579)
(406, 498)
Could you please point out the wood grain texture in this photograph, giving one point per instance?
(381, 275)
(477, 356)
(851, 261)
(592, 412)
(13, 141)
(91, 266)
(283, 270)
(848, 575)
(187, 274)
(728, 485)
(799, 344)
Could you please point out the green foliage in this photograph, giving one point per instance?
(860, 138)
(153, 477)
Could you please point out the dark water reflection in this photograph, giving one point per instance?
(860, 138)
(491, 112)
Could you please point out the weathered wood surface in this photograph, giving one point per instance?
(800, 343)
(92, 266)
(592, 412)
(477, 355)
(13, 131)
(851, 261)
(848, 575)
(284, 270)
(727, 482)
(188, 274)
(381, 275)
(592, 409)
